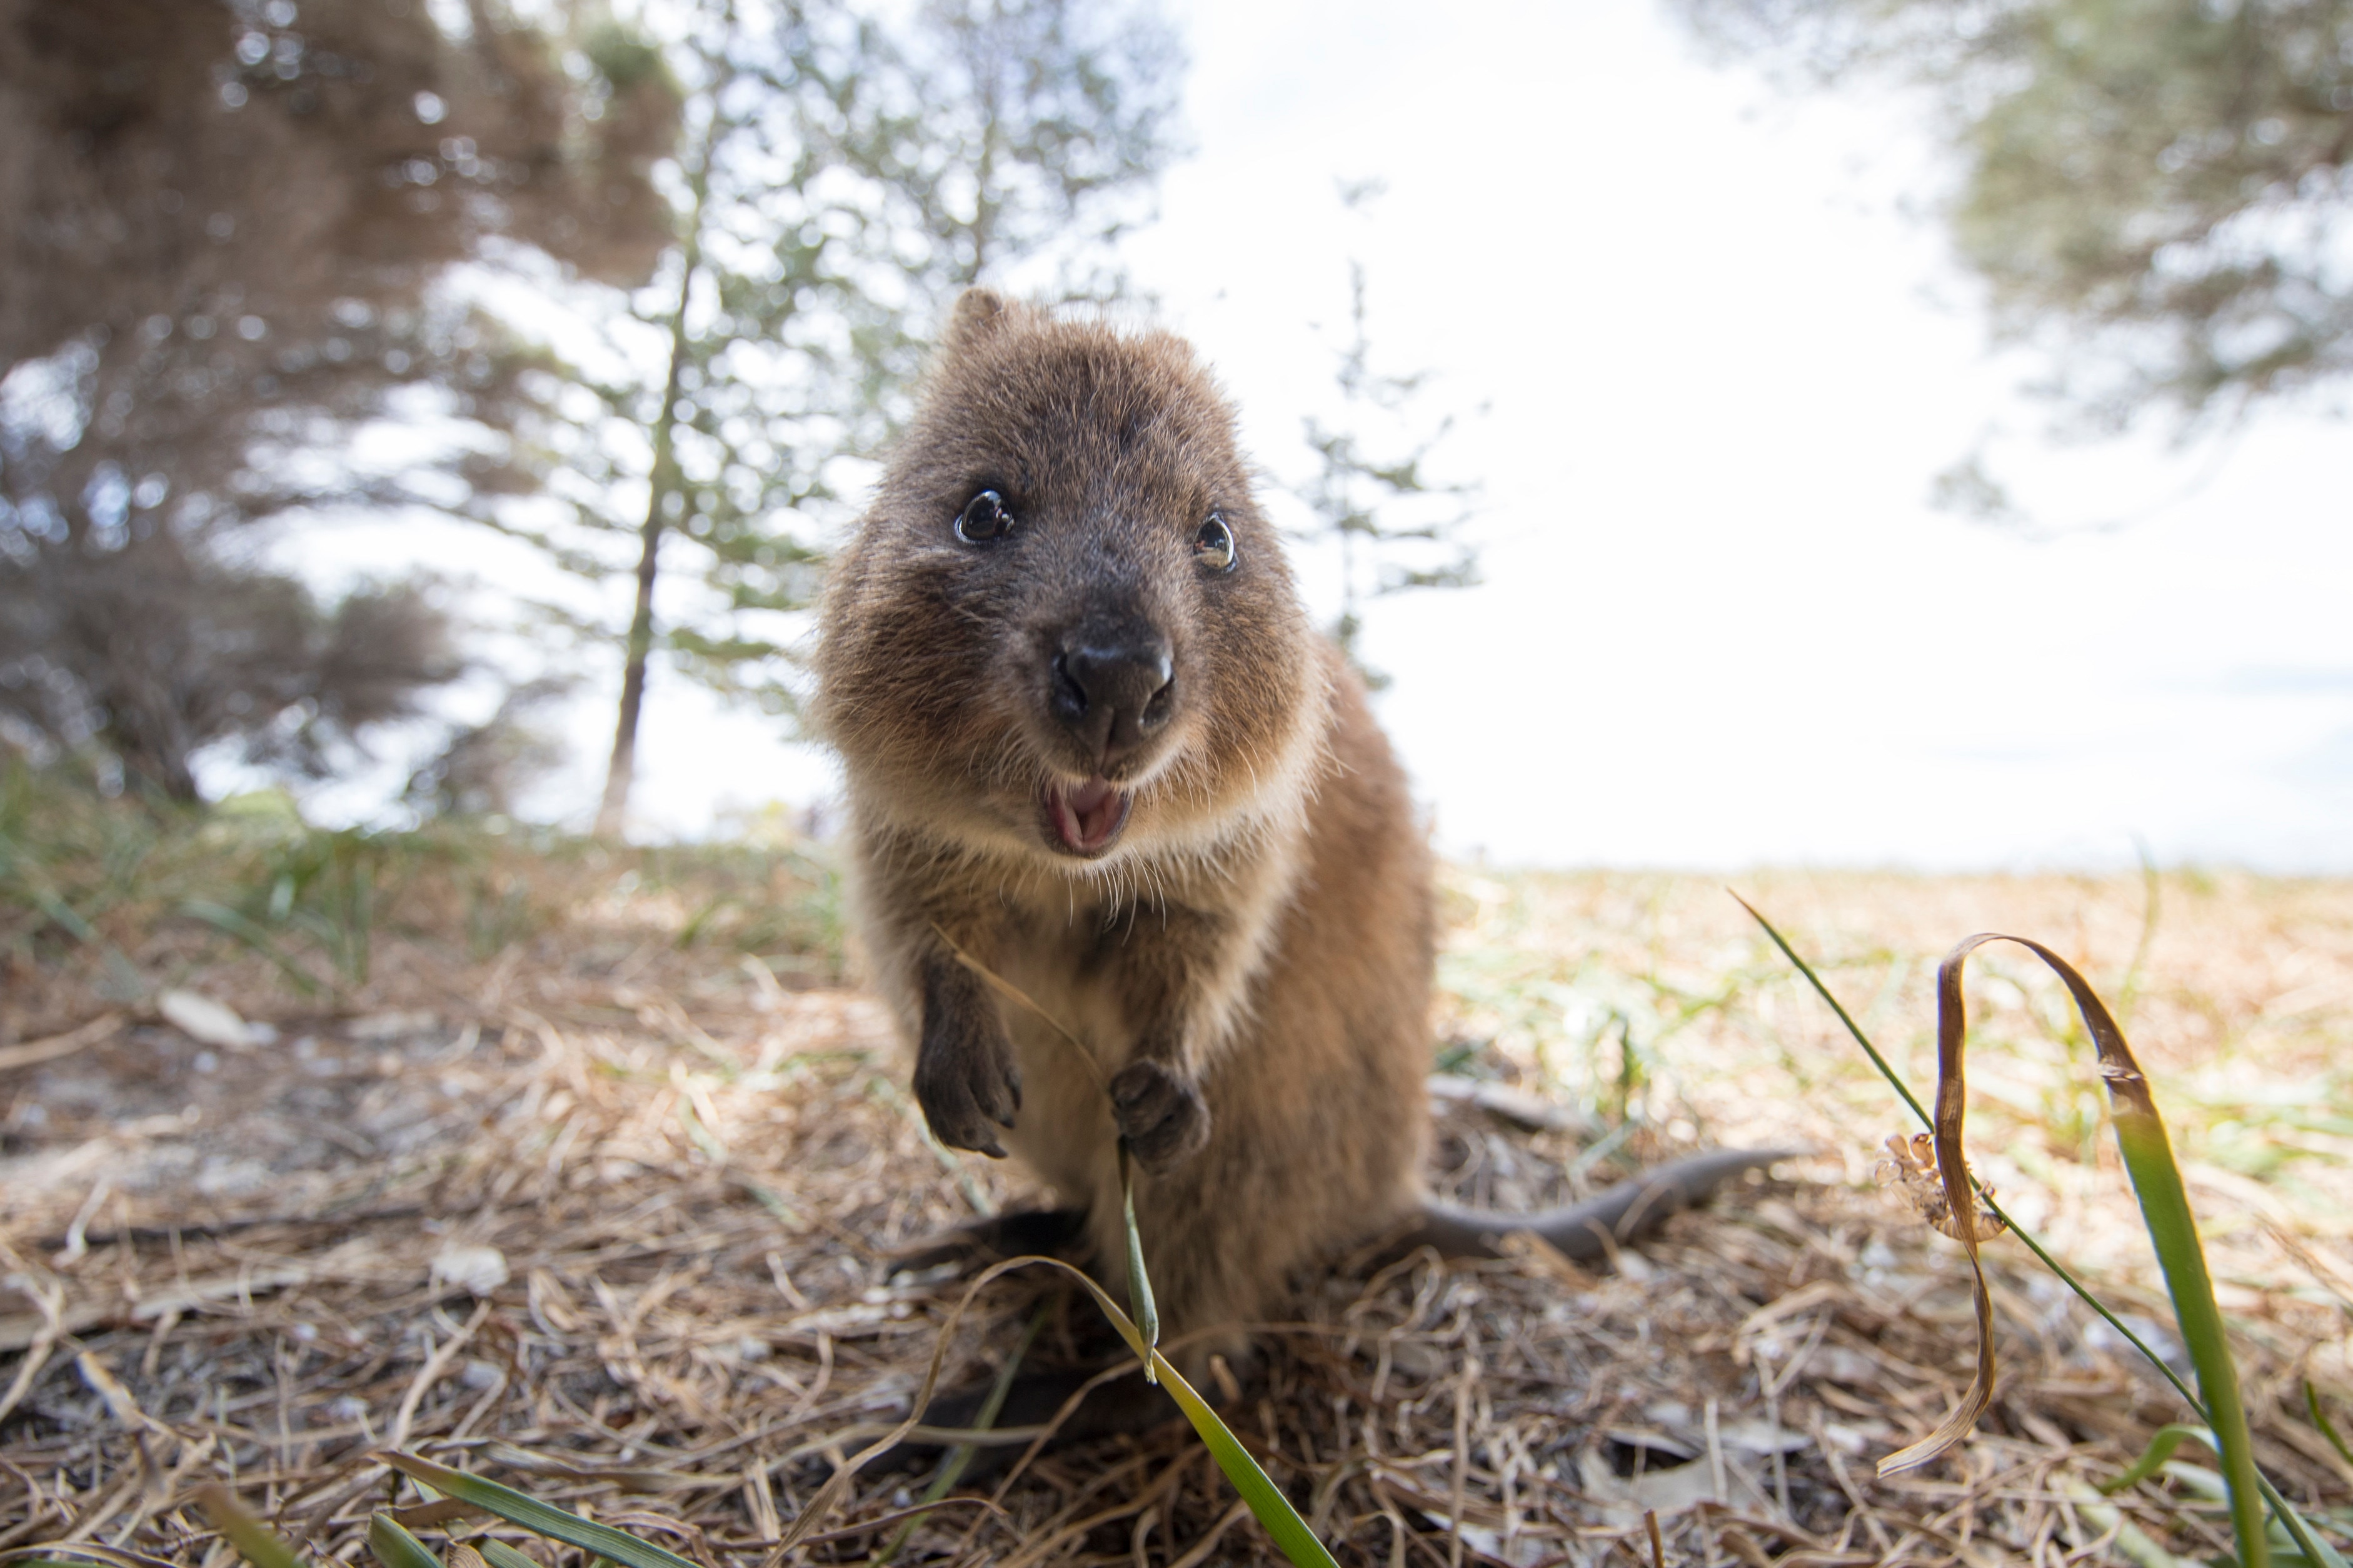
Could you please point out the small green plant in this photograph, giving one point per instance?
(2148, 1160)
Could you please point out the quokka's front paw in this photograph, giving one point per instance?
(967, 1082)
(1163, 1117)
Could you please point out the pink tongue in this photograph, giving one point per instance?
(1094, 807)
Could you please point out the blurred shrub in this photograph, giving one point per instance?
(221, 227)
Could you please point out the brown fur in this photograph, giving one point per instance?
(1248, 964)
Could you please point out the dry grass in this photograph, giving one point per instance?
(690, 1171)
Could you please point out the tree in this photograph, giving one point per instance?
(2164, 183)
(1394, 529)
(214, 159)
(154, 654)
(220, 241)
(482, 768)
(839, 181)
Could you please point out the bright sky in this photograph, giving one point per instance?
(1721, 623)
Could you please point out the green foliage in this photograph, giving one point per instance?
(625, 58)
(101, 874)
(2170, 176)
(2163, 182)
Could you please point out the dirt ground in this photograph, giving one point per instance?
(607, 1213)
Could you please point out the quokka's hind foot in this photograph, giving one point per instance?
(1052, 1233)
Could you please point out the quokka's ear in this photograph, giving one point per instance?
(978, 314)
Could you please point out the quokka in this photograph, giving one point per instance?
(1094, 746)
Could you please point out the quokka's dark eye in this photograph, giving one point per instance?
(1213, 546)
(984, 518)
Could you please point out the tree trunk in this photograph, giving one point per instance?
(620, 772)
(155, 765)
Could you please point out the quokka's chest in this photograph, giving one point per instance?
(1074, 964)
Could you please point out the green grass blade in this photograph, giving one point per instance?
(499, 1554)
(2132, 1543)
(541, 1519)
(361, 928)
(951, 1466)
(1144, 1310)
(241, 1528)
(1273, 1510)
(2208, 1486)
(230, 924)
(84, 1553)
(2161, 1449)
(2320, 1419)
(2164, 1209)
(393, 1547)
(2313, 1548)
(1822, 991)
(2148, 1352)
(62, 914)
(1282, 1523)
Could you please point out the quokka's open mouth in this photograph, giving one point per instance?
(1086, 818)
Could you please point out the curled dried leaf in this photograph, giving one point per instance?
(1910, 1169)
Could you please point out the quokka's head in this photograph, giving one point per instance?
(1064, 627)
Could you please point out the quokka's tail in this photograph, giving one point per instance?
(1589, 1230)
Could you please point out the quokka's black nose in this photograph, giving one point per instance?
(1113, 693)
